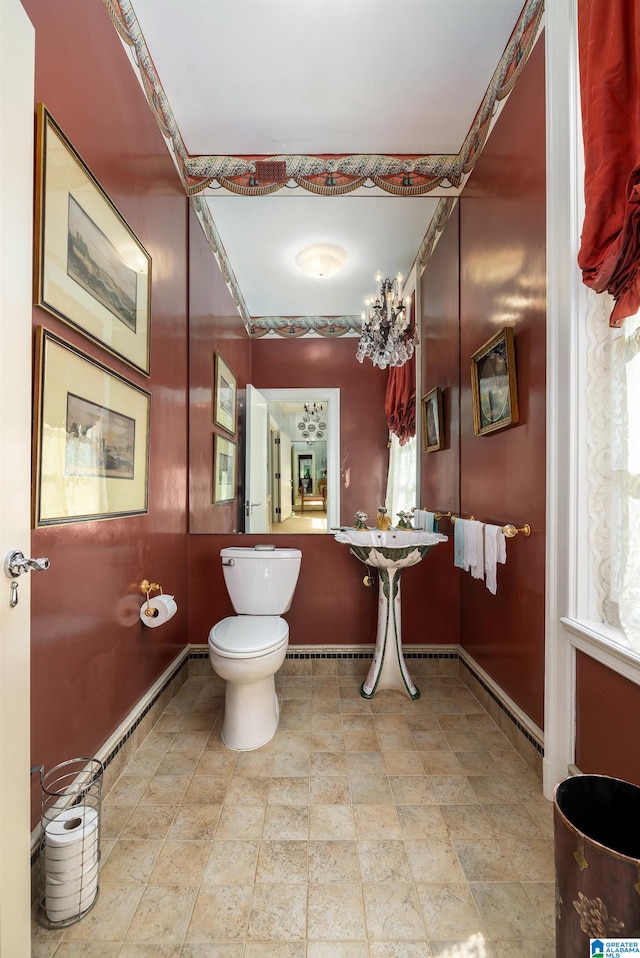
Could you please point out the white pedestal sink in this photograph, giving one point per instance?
(389, 552)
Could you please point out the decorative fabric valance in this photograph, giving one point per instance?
(609, 51)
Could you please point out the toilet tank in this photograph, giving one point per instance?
(261, 580)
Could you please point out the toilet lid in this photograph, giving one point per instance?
(245, 636)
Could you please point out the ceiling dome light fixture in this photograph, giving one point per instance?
(321, 260)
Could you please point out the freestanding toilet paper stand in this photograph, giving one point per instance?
(69, 849)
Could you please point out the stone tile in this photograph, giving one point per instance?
(474, 946)
(275, 949)
(165, 790)
(333, 861)
(511, 820)
(329, 790)
(127, 790)
(411, 790)
(452, 790)
(289, 790)
(328, 763)
(80, 949)
(180, 863)
(393, 912)
(111, 916)
(206, 790)
(421, 821)
(220, 914)
(521, 948)
(532, 859)
(365, 763)
(163, 914)
(278, 913)
(247, 792)
(434, 859)
(402, 763)
(331, 823)
(376, 821)
(370, 790)
(466, 821)
(231, 862)
(193, 822)
(286, 822)
(242, 821)
(383, 861)
(155, 950)
(150, 822)
(282, 859)
(400, 949)
(484, 860)
(449, 910)
(113, 820)
(506, 910)
(338, 949)
(335, 912)
(130, 862)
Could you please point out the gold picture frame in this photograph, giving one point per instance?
(91, 443)
(224, 395)
(224, 469)
(91, 270)
(493, 384)
(432, 421)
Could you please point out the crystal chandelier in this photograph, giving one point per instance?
(311, 423)
(387, 338)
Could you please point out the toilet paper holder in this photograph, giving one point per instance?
(147, 588)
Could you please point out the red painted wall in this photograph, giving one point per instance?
(92, 659)
(606, 703)
(502, 475)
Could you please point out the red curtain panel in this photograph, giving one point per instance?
(609, 52)
(400, 400)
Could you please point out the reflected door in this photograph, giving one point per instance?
(256, 510)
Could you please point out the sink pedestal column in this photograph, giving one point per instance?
(388, 669)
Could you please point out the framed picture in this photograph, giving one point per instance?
(224, 469)
(91, 438)
(91, 271)
(432, 421)
(224, 396)
(493, 384)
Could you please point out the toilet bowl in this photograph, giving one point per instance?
(246, 650)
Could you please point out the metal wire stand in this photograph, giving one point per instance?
(69, 858)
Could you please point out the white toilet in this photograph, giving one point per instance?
(248, 649)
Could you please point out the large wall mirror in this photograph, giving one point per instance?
(292, 454)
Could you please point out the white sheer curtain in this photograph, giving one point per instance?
(401, 480)
(613, 399)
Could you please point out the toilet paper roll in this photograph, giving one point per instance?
(67, 899)
(71, 862)
(157, 611)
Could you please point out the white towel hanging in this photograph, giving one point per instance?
(495, 550)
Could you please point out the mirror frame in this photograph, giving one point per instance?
(330, 396)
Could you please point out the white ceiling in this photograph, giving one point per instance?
(273, 77)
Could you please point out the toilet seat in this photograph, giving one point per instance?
(248, 636)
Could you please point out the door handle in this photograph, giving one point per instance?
(15, 564)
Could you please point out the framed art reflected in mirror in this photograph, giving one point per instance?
(432, 421)
(224, 395)
(224, 469)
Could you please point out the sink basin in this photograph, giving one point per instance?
(389, 552)
(396, 548)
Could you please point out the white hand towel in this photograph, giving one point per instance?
(474, 548)
(423, 520)
(495, 550)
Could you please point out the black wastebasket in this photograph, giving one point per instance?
(597, 861)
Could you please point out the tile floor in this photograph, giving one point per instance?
(366, 829)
